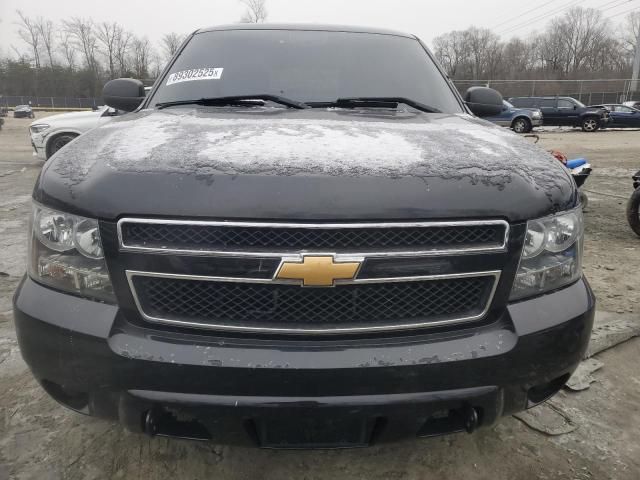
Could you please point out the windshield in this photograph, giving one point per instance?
(507, 104)
(307, 66)
(579, 103)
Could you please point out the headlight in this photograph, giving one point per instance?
(39, 127)
(65, 252)
(551, 256)
(535, 114)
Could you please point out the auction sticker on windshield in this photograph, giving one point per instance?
(206, 73)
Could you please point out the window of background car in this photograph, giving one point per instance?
(523, 102)
(309, 66)
(566, 104)
(547, 103)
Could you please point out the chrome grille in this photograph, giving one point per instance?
(278, 238)
(272, 306)
(431, 292)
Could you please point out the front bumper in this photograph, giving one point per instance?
(296, 392)
(537, 122)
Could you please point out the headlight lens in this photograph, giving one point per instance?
(535, 114)
(39, 127)
(65, 252)
(552, 254)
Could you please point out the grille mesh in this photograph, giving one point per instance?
(274, 239)
(272, 305)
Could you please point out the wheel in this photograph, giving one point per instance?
(521, 125)
(633, 211)
(590, 124)
(58, 142)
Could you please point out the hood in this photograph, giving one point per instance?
(73, 116)
(274, 163)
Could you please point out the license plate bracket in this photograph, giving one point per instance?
(314, 431)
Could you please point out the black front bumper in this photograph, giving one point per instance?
(288, 392)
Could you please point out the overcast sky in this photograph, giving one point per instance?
(425, 18)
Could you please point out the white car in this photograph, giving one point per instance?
(50, 134)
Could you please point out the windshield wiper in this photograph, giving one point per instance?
(235, 100)
(375, 102)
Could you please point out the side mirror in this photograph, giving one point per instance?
(483, 101)
(575, 107)
(123, 94)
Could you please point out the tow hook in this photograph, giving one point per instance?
(470, 416)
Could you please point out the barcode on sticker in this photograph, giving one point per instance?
(207, 73)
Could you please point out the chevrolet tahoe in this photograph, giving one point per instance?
(303, 237)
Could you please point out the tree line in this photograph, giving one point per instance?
(582, 43)
(76, 57)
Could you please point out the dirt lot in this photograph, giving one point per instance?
(39, 439)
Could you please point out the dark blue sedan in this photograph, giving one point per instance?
(520, 120)
(622, 116)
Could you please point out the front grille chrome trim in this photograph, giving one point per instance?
(265, 254)
(304, 331)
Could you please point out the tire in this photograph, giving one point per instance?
(59, 141)
(521, 125)
(590, 124)
(633, 211)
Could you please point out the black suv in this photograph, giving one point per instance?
(565, 111)
(303, 238)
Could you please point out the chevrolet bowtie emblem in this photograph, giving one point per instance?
(317, 271)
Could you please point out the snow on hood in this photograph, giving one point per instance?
(197, 143)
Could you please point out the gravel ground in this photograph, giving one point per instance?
(39, 439)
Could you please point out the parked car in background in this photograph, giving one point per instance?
(621, 116)
(23, 111)
(52, 133)
(520, 120)
(633, 104)
(565, 111)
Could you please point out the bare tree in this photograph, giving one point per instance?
(256, 11)
(170, 43)
(29, 34)
(67, 50)
(484, 51)
(83, 39)
(122, 48)
(45, 29)
(107, 34)
(550, 49)
(156, 64)
(631, 32)
(518, 56)
(141, 57)
(450, 50)
(582, 31)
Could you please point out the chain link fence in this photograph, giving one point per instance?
(589, 92)
(53, 103)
